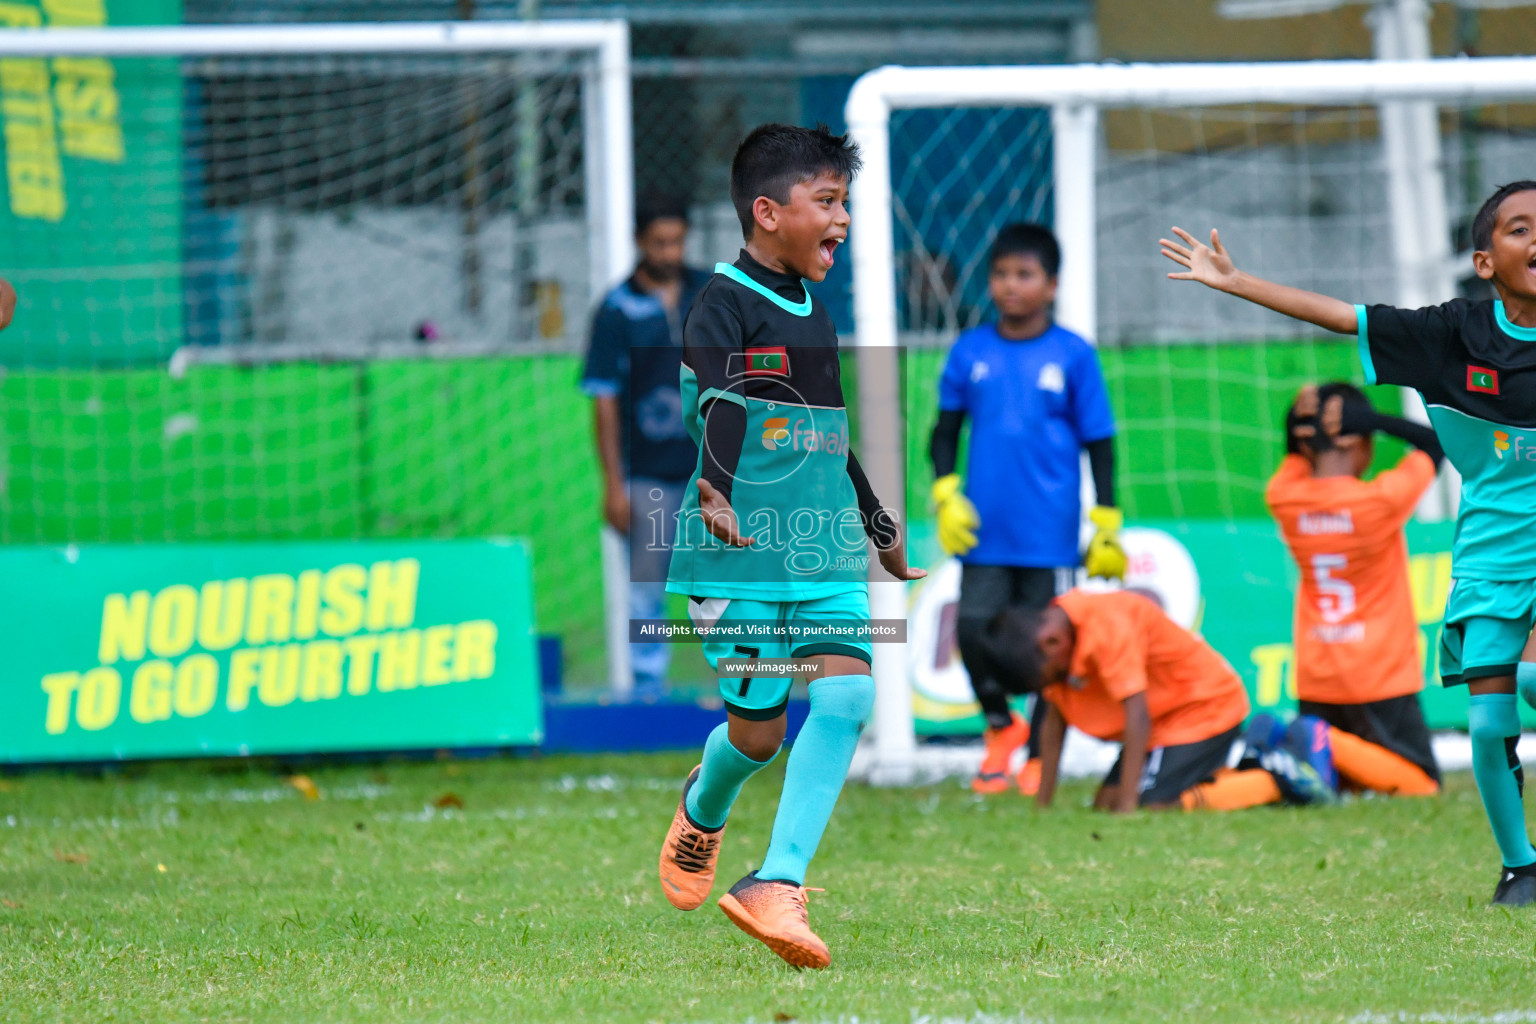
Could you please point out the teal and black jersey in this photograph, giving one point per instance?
(1477, 374)
(763, 397)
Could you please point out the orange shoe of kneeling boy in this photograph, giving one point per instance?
(1029, 777)
(688, 857)
(774, 914)
(1001, 743)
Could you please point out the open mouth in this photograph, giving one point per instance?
(828, 247)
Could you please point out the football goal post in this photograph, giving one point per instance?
(313, 282)
(1354, 178)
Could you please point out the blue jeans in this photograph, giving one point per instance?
(653, 507)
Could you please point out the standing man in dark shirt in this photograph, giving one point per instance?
(647, 456)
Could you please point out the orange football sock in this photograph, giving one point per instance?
(1376, 768)
(1232, 791)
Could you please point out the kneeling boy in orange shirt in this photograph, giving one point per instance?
(1114, 666)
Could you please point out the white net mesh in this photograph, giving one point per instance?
(287, 221)
(1199, 380)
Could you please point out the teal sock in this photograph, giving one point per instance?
(1525, 679)
(818, 765)
(1494, 724)
(720, 779)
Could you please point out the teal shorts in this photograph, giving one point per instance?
(799, 630)
(1487, 624)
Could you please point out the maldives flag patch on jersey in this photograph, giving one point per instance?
(767, 362)
(1482, 379)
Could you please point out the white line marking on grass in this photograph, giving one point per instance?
(1404, 1017)
(916, 1018)
(606, 783)
(271, 794)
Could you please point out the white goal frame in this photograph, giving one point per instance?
(608, 148)
(608, 145)
(1405, 90)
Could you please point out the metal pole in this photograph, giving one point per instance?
(881, 447)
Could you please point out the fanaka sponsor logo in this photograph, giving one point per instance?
(1316, 523)
(1517, 446)
(803, 437)
(271, 640)
(774, 433)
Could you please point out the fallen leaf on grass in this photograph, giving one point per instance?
(305, 785)
(9, 903)
(781, 1017)
(71, 858)
(160, 868)
(448, 800)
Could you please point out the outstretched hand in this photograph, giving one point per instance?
(1209, 264)
(719, 516)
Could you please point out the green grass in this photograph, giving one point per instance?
(537, 901)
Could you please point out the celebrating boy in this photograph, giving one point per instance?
(771, 543)
(1475, 367)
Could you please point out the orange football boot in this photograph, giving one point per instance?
(688, 856)
(1029, 777)
(1001, 743)
(774, 914)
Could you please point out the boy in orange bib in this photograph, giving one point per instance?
(1357, 662)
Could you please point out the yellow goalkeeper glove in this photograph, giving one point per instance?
(1105, 556)
(958, 521)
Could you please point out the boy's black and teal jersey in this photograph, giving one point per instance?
(763, 397)
(1477, 374)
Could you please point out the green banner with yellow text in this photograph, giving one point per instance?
(119, 651)
(91, 195)
(1248, 586)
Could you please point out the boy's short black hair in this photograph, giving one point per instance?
(1012, 651)
(774, 158)
(1021, 239)
(654, 208)
(1488, 215)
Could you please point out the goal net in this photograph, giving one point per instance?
(310, 282)
(1356, 179)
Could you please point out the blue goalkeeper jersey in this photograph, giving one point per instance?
(1477, 374)
(1033, 404)
(757, 341)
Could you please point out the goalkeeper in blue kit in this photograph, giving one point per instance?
(1035, 397)
(772, 542)
(1474, 364)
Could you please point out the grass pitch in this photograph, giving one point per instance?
(525, 890)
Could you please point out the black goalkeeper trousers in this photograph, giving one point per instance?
(985, 591)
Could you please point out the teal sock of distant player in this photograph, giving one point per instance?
(721, 777)
(1525, 678)
(1493, 720)
(813, 778)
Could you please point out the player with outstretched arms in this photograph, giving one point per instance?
(1474, 364)
(772, 540)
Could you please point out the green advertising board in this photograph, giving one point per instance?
(91, 197)
(120, 651)
(1248, 585)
